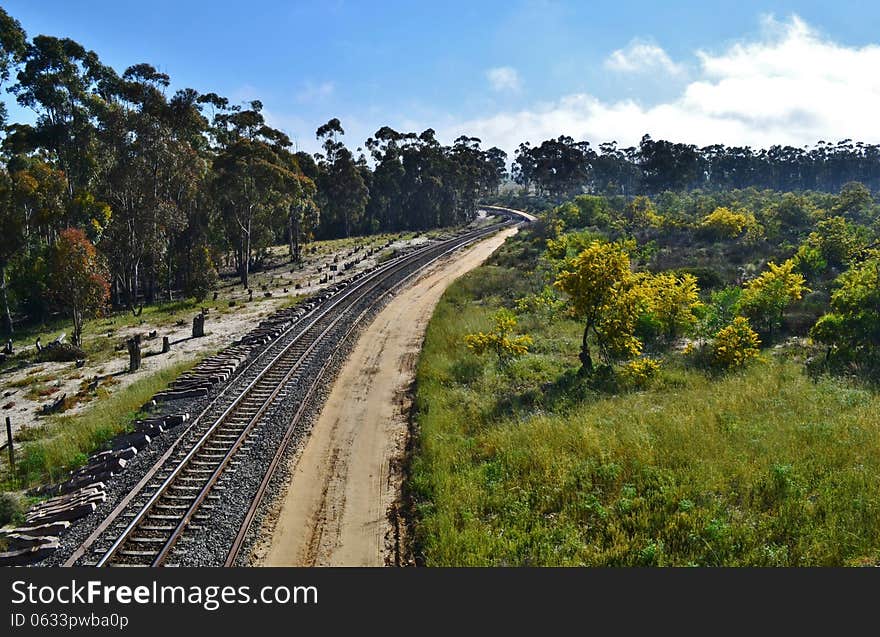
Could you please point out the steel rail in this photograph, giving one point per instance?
(237, 545)
(352, 293)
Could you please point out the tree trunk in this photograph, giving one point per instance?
(7, 316)
(77, 327)
(246, 255)
(297, 253)
(586, 360)
(135, 288)
(290, 237)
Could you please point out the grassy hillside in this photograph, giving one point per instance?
(527, 464)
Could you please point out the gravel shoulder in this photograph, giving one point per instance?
(338, 506)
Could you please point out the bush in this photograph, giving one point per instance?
(640, 372)
(724, 223)
(708, 278)
(501, 341)
(851, 331)
(202, 273)
(735, 345)
(64, 352)
(10, 507)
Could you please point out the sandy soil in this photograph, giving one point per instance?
(338, 509)
(221, 329)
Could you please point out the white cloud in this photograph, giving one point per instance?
(791, 85)
(311, 92)
(504, 78)
(640, 57)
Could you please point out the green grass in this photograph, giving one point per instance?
(65, 442)
(528, 466)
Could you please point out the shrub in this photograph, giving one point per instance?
(501, 340)
(675, 302)
(640, 372)
(766, 297)
(735, 345)
(545, 304)
(809, 261)
(851, 331)
(10, 507)
(61, 353)
(202, 275)
(724, 223)
(837, 240)
(708, 278)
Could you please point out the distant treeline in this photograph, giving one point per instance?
(560, 168)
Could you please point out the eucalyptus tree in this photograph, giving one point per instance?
(496, 170)
(557, 167)
(13, 47)
(254, 180)
(386, 196)
(153, 171)
(63, 83)
(343, 193)
(11, 241)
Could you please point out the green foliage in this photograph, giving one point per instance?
(546, 303)
(674, 303)
(202, 276)
(810, 262)
(11, 508)
(642, 213)
(501, 341)
(585, 211)
(735, 345)
(855, 203)
(794, 211)
(719, 311)
(851, 331)
(569, 245)
(766, 297)
(90, 213)
(836, 240)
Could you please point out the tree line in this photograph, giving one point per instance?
(154, 193)
(561, 168)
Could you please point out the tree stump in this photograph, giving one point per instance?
(250, 295)
(198, 325)
(8, 349)
(134, 354)
(166, 345)
(215, 295)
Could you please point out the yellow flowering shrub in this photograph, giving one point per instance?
(640, 372)
(735, 345)
(501, 341)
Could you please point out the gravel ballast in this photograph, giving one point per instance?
(219, 519)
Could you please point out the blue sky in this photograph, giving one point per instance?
(734, 72)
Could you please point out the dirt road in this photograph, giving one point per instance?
(348, 475)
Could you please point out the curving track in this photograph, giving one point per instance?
(152, 525)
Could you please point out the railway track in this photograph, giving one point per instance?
(152, 524)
